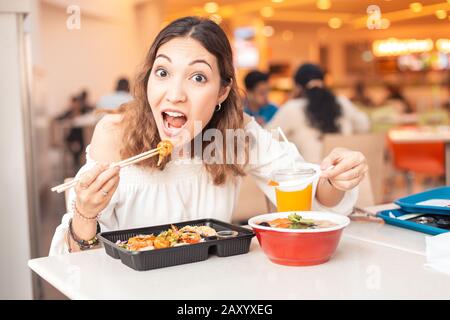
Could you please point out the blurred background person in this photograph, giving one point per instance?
(84, 100)
(74, 135)
(256, 103)
(315, 112)
(396, 99)
(120, 96)
(447, 101)
(360, 97)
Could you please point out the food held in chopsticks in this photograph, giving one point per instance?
(165, 149)
(295, 221)
(172, 237)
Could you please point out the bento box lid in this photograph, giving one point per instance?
(436, 201)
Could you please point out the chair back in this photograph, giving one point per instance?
(366, 196)
(372, 145)
(424, 157)
(251, 201)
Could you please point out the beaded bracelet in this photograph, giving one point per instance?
(84, 244)
(78, 213)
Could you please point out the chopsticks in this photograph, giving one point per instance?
(137, 158)
(124, 163)
(360, 214)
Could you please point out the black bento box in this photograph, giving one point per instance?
(160, 258)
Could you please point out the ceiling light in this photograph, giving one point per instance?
(335, 23)
(441, 14)
(323, 4)
(211, 7)
(415, 7)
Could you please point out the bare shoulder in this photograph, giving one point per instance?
(247, 119)
(107, 138)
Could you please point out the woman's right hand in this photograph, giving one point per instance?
(95, 189)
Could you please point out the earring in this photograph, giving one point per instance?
(218, 107)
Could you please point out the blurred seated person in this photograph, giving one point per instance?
(396, 99)
(84, 100)
(315, 112)
(360, 97)
(76, 108)
(447, 103)
(257, 102)
(119, 97)
(74, 138)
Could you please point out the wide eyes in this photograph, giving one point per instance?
(161, 73)
(198, 78)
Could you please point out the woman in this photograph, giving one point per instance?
(187, 85)
(316, 112)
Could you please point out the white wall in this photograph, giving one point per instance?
(92, 57)
(111, 42)
(15, 276)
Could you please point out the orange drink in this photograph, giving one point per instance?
(294, 200)
(294, 187)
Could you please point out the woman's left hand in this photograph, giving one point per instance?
(349, 168)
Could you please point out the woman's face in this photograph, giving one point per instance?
(184, 87)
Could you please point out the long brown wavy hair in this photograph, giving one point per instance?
(140, 132)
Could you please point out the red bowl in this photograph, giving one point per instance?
(299, 247)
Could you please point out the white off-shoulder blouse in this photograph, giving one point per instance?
(184, 190)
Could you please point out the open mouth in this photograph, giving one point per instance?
(174, 122)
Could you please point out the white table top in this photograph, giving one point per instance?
(387, 235)
(372, 262)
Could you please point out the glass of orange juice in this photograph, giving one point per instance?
(294, 187)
